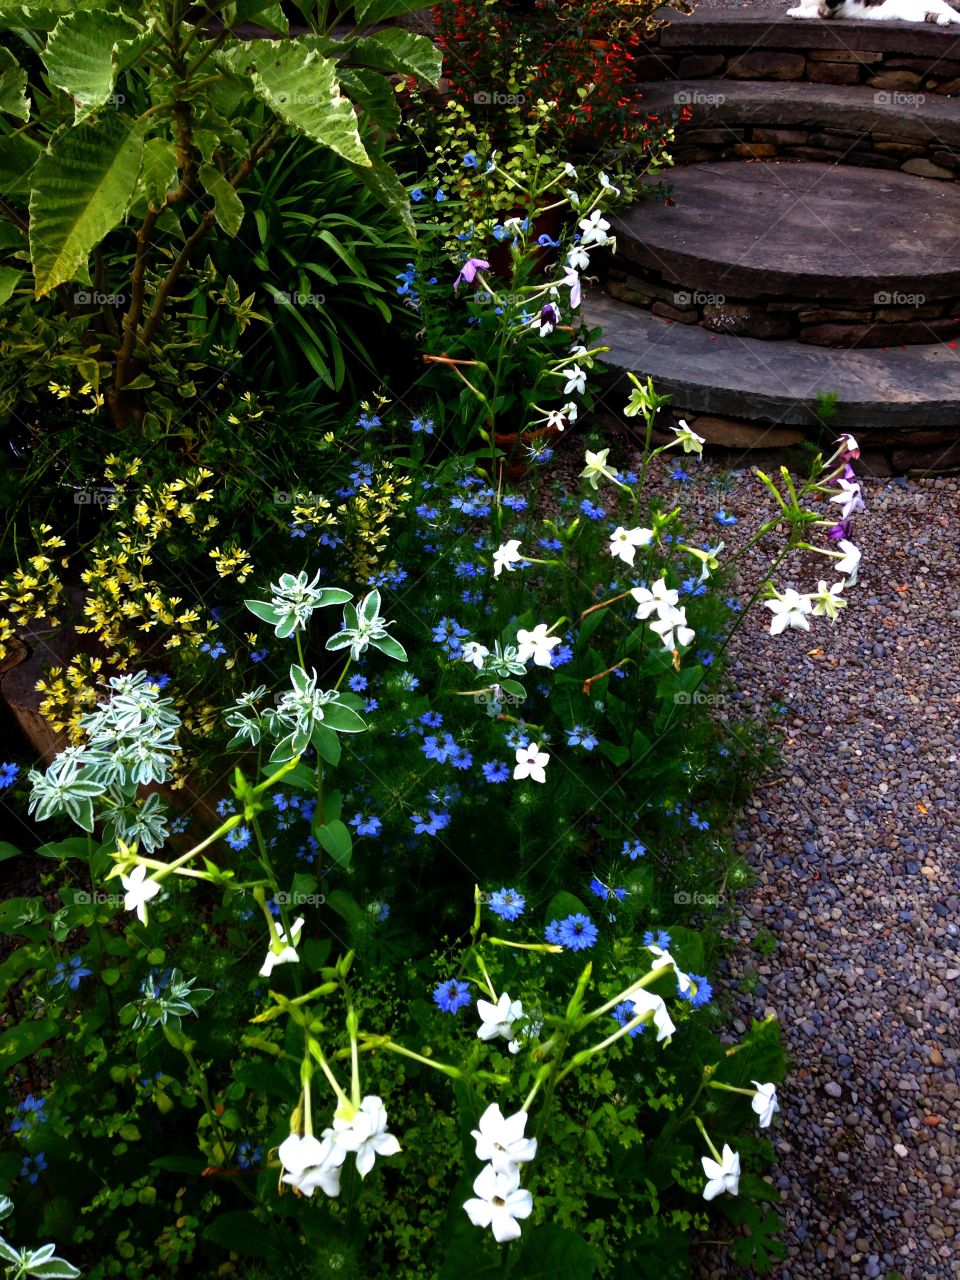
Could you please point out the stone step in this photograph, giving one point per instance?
(785, 234)
(776, 382)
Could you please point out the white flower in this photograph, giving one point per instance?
(568, 170)
(660, 600)
(139, 891)
(572, 196)
(366, 1134)
(555, 418)
(850, 497)
(475, 653)
(765, 1102)
(624, 542)
(500, 1140)
(498, 1019)
(663, 960)
(498, 1202)
(692, 443)
(578, 258)
(708, 559)
(507, 556)
(597, 467)
(310, 1164)
(570, 410)
(530, 763)
(645, 1002)
(722, 1177)
(672, 629)
(576, 380)
(849, 563)
(789, 610)
(829, 601)
(594, 229)
(608, 185)
(536, 644)
(287, 949)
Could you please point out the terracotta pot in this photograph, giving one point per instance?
(510, 466)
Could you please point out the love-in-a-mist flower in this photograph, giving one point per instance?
(506, 556)
(474, 653)
(501, 1139)
(310, 1163)
(366, 1134)
(624, 542)
(724, 1176)
(765, 1103)
(536, 644)
(828, 600)
(139, 891)
(498, 1019)
(594, 229)
(849, 562)
(597, 467)
(531, 763)
(283, 950)
(672, 629)
(498, 1201)
(661, 599)
(789, 610)
(692, 443)
(645, 1002)
(849, 497)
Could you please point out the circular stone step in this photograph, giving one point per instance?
(824, 253)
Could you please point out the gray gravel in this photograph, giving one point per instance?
(854, 845)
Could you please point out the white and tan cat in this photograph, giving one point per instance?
(937, 11)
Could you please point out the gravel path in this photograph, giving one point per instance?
(854, 844)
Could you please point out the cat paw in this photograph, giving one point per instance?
(944, 20)
(801, 12)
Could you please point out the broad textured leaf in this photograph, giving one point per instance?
(80, 57)
(375, 94)
(53, 1269)
(227, 205)
(9, 279)
(23, 1040)
(158, 173)
(399, 51)
(302, 89)
(370, 11)
(81, 189)
(327, 744)
(263, 12)
(392, 648)
(42, 16)
(13, 84)
(18, 156)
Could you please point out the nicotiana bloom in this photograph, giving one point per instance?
(661, 599)
(596, 467)
(789, 610)
(624, 542)
(500, 1140)
(309, 1163)
(765, 1102)
(692, 443)
(283, 950)
(724, 1176)
(474, 653)
(828, 601)
(530, 763)
(672, 629)
(366, 1134)
(849, 497)
(498, 1201)
(498, 1019)
(849, 563)
(594, 229)
(663, 960)
(536, 644)
(139, 891)
(506, 556)
(645, 1002)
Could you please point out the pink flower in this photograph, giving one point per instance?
(469, 271)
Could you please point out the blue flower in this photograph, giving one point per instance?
(422, 424)
(599, 888)
(700, 993)
(427, 513)
(680, 474)
(469, 160)
(507, 903)
(577, 932)
(407, 681)
(448, 633)
(366, 825)
(552, 932)
(440, 750)
(495, 771)
(160, 682)
(8, 775)
(545, 242)
(706, 657)
(591, 510)
(452, 996)
(416, 195)
(33, 1166)
(225, 807)
(578, 736)
(368, 422)
(431, 825)
(71, 974)
(659, 939)
(357, 683)
(724, 519)
(215, 651)
(247, 1155)
(32, 1109)
(515, 503)
(560, 657)
(551, 544)
(239, 837)
(633, 849)
(623, 1013)
(432, 719)
(371, 704)
(439, 197)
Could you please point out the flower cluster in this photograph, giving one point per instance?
(498, 1200)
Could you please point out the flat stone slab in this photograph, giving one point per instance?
(799, 230)
(768, 27)
(777, 381)
(798, 104)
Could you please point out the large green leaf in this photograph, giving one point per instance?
(23, 1040)
(399, 51)
(227, 205)
(44, 15)
(18, 156)
(80, 191)
(80, 57)
(301, 87)
(13, 84)
(374, 93)
(370, 11)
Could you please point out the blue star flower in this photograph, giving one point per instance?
(659, 939)
(578, 736)
(700, 993)
(452, 996)
(633, 849)
(8, 775)
(507, 903)
(623, 1013)
(366, 824)
(431, 825)
(357, 683)
(495, 771)
(577, 932)
(724, 519)
(239, 837)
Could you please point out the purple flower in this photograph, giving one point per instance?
(549, 318)
(468, 271)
